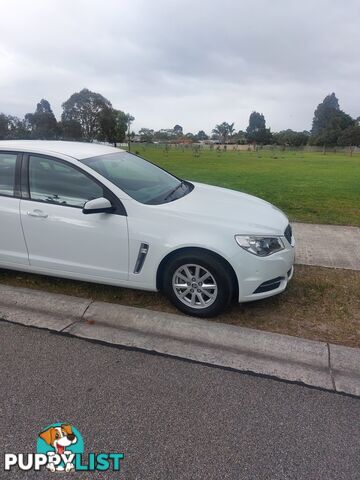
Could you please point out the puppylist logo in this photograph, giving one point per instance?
(60, 448)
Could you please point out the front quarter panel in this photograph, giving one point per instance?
(166, 233)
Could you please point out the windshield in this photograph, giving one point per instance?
(141, 180)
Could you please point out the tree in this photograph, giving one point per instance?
(190, 137)
(201, 136)
(107, 123)
(163, 135)
(70, 130)
(12, 128)
(4, 126)
(128, 120)
(257, 132)
(42, 124)
(17, 128)
(290, 138)
(146, 135)
(350, 137)
(178, 130)
(113, 125)
(223, 131)
(43, 107)
(231, 129)
(240, 137)
(122, 120)
(329, 122)
(220, 131)
(85, 107)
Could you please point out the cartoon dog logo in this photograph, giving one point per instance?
(59, 438)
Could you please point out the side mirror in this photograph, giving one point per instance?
(98, 205)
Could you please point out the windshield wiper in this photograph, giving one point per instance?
(182, 183)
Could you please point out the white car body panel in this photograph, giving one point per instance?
(55, 148)
(104, 247)
(94, 245)
(12, 244)
(213, 231)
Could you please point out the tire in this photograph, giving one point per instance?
(182, 283)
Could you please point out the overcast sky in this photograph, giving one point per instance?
(192, 62)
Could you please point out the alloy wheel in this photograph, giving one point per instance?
(195, 286)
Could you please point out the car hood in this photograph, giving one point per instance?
(222, 207)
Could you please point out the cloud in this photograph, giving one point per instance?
(196, 63)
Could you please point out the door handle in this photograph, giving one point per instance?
(38, 214)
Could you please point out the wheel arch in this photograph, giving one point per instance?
(194, 250)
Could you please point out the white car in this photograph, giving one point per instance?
(96, 213)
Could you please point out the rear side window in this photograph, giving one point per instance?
(55, 182)
(7, 173)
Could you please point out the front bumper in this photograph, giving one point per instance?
(262, 277)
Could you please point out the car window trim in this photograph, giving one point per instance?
(25, 183)
(17, 192)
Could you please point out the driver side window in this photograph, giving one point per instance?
(53, 181)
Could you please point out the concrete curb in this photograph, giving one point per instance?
(317, 364)
(40, 309)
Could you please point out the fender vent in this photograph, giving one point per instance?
(143, 251)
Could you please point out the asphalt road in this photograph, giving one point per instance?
(172, 419)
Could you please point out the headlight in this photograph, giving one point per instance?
(259, 245)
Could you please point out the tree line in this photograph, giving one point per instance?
(331, 127)
(88, 116)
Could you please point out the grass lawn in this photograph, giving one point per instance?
(319, 304)
(309, 187)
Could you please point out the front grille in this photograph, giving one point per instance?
(269, 285)
(288, 233)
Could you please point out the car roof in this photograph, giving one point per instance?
(78, 150)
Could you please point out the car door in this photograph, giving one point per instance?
(13, 251)
(59, 236)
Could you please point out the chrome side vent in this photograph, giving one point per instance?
(143, 251)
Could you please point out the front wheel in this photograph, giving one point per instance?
(199, 284)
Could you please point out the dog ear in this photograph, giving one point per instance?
(67, 428)
(48, 435)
